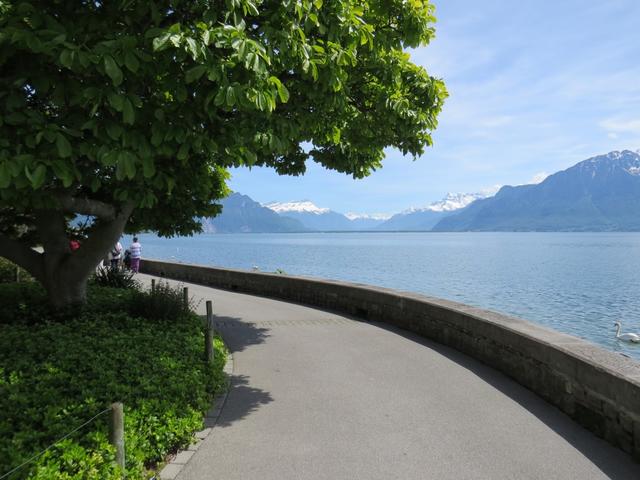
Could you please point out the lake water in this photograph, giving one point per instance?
(577, 283)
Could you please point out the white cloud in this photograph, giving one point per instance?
(618, 125)
(612, 135)
(496, 121)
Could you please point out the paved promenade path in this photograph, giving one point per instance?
(316, 396)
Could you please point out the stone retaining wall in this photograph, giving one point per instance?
(598, 388)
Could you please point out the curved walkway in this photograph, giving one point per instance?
(316, 395)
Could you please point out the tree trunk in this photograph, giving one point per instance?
(62, 272)
(66, 289)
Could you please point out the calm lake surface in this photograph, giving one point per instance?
(577, 283)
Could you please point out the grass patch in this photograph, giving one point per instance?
(58, 370)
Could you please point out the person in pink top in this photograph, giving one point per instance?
(136, 252)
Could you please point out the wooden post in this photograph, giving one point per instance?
(208, 334)
(185, 298)
(17, 274)
(153, 285)
(116, 431)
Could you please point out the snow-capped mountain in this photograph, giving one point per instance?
(303, 206)
(318, 218)
(312, 216)
(240, 214)
(453, 201)
(363, 221)
(368, 216)
(424, 218)
(598, 194)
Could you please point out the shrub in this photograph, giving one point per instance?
(8, 272)
(114, 278)
(55, 375)
(165, 302)
(24, 303)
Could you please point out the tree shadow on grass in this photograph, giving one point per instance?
(613, 462)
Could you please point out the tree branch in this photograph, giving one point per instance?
(102, 237)
(87, 206)
(22, 255)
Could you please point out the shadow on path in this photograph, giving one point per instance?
(613, 462)
(242, 401)
(237, 333)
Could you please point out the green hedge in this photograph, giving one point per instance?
(57, 370)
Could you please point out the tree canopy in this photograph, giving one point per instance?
(132, 112)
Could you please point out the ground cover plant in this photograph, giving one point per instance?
(59, 369)
(8, 272)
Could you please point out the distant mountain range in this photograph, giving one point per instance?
(424, 219)
(240, 214)
(312, 216)
(598, 194)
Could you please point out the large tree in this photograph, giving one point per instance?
(130, 112)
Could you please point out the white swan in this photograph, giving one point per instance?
(627, 337)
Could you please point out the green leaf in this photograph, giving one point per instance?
(195, 73)
(113, 70)
(335, 135)
(128, 114)
(220, 97)
(65, 58)
(148, 167)
(63, 146)
(162, 42)
(192, 47)
(5, 175)
(283, 93)
(130, 166)
(171, 183)
(126, 165)
(131, 62)
(116, 101)
(183, 152)
(28, 174)
(260, 101)
(241, 47)
(61, 170)
(110, 158)
(39, 176)
(213, 74)
(89, 124)
(181, 93)
(114, 131)
(230, 97)
(156, 138)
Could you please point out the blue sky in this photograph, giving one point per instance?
(535, 87)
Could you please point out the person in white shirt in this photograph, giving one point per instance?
(136, 253)
(115, 255)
